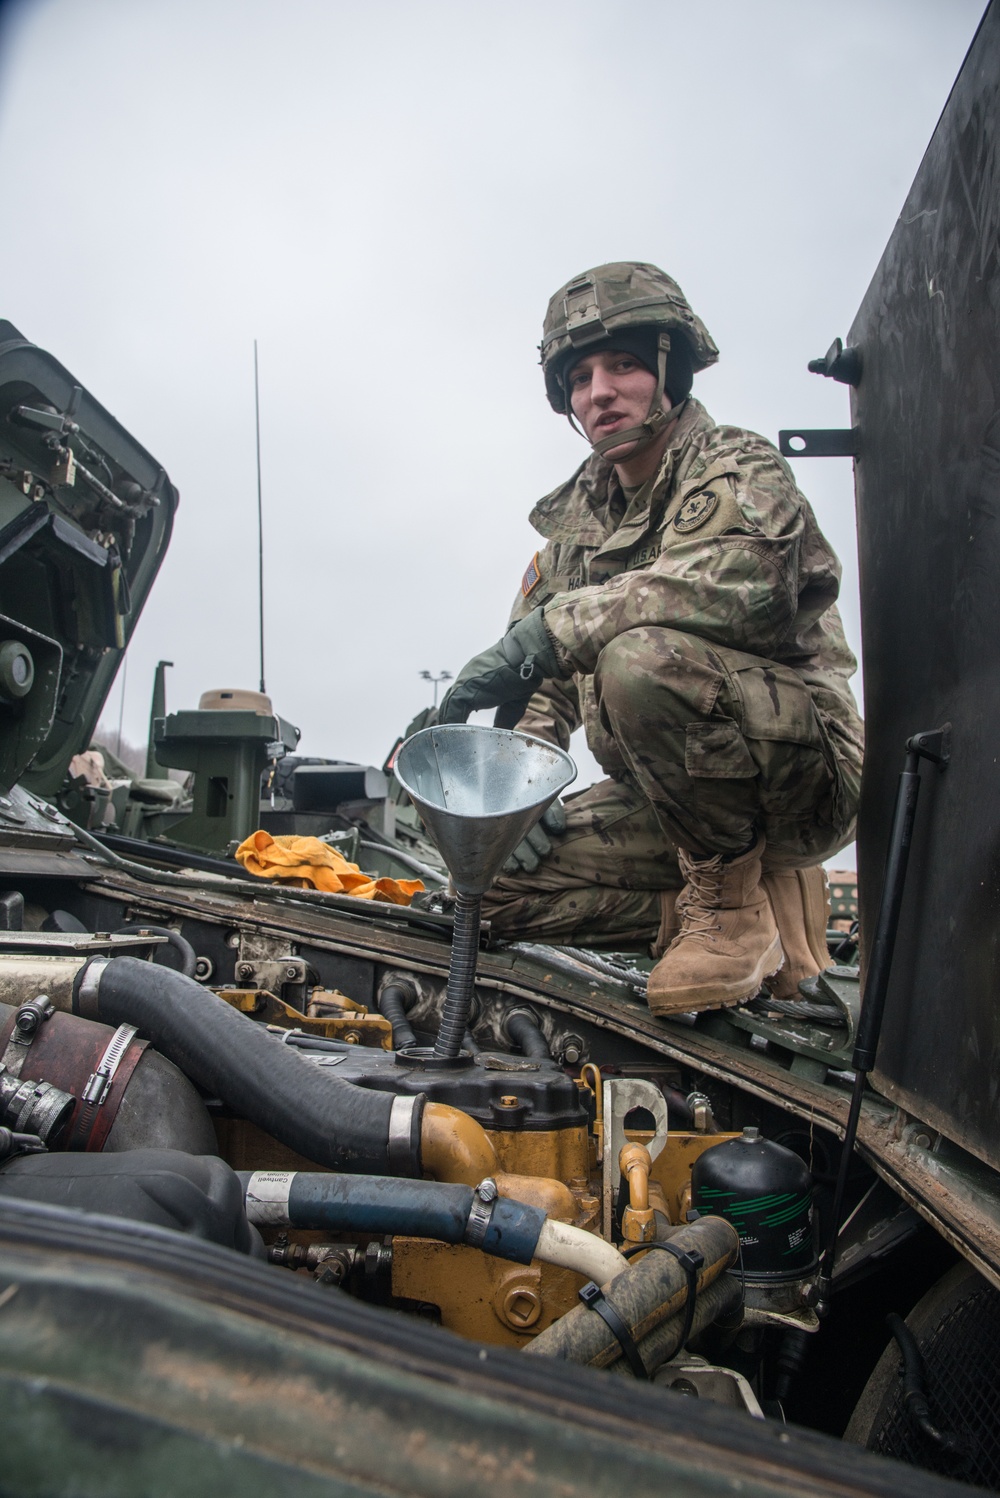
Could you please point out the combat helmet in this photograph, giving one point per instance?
(620, 301)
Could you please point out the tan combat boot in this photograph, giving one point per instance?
(728, 942)
(800, 899)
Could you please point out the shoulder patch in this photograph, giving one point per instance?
(696, 510)
(532, 576)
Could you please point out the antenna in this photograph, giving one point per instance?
(121, 705)
(260, 519)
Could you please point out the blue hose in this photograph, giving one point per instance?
(387, 1204)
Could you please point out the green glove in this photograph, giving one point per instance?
(532, 849)
(508, 672)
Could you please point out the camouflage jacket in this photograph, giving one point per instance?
(720, 544)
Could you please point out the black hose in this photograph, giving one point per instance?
(392, 1005)
(527, 1035)
(718, 1300)
(231, 1057)
(461, 977)
(914, 1395)
(375, 1204)
(189, 959)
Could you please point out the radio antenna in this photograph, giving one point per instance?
(260, 519)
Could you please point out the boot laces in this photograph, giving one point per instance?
(698, 906)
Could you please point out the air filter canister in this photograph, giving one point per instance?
(765, 1191)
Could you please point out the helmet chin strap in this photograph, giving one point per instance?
(656, 418)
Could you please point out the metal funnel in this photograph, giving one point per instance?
(480, 790)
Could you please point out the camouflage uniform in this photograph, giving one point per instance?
(709, 669)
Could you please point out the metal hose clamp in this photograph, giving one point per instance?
(90, 983)
(401, 1145)
(99, 1083)
(481, 1212)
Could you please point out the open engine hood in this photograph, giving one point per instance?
(85, 520)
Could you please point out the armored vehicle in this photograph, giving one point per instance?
(306, 1193)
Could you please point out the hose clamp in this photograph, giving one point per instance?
(27, 1023)
(89, 987)
(404, 1134)
(99, 1082)
(481, 1212)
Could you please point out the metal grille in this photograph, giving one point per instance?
(962, 1363)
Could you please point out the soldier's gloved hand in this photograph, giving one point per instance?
(532, 849)
(508, 672)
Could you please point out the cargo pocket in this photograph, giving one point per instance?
(777, 705)
(798, 770)
(716, 750)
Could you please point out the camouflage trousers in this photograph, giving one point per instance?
(717, 746)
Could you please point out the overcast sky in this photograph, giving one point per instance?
(385, 195)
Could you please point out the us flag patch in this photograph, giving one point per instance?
(532, 576)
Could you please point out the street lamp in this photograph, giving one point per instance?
(441, 676)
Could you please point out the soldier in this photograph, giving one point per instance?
(684, 610)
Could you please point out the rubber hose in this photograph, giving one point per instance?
(914, 1394)
(527, 1036)
(717, 1299)
(229, 1056)
(378, 1204)
(392, 1006)
(679, 1110)
(189, 960)
(649, 1292)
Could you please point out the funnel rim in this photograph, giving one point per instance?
(531, 738)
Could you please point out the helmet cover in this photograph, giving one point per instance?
(585, 314)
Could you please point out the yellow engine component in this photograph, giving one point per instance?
(331, 1014)
(671, 1170)
(638, 1220)
(487, 1299)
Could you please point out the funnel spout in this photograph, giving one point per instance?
(461, 977)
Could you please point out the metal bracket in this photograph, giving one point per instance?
(820, 442)
(272, 975)
(934, 745)
(620, 1096)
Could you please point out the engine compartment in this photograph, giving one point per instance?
(552, 1116)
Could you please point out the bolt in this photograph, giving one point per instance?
(922, 1141)
(291, 973)
(521, 1307)
(508, 1101)
(244, 969)
(684, 1386)
(353, 1037)
(487, 1190)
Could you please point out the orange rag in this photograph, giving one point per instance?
(306, 863)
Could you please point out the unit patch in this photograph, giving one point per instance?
(532, 576)
(696, 510)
